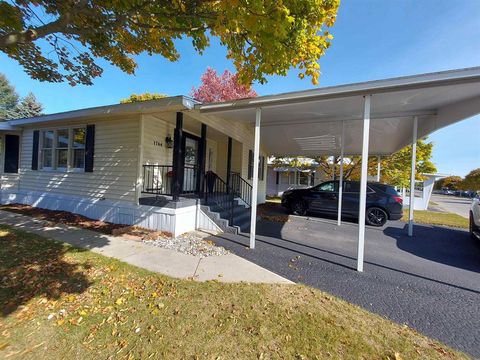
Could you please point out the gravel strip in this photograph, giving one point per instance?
(191, 243)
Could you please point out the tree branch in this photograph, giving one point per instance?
(32, 34)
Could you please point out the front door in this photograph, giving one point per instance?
(190, 149)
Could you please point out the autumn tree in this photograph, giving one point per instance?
(142, 97)
(396, 167)
(215, 88)
(471, 181)
(449, 182)
(61, 40)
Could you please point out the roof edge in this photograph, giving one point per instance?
(361, 88)
(179, 102)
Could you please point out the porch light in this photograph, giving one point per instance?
(169, 142)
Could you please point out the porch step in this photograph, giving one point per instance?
(241, 217)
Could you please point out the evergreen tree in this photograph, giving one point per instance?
(8, 99)
(28, 107)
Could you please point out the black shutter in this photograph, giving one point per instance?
(261, 169)
(12, 151)
(250, 164)
(89, 148)
(36, 137)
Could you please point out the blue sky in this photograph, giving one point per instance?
(374, 39)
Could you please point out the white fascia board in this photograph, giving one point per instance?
(169, 103)
(442, 78)
(6, 126)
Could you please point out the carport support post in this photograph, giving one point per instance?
(256, 156)
(363, 183)
(340, 183)
(412, 177)
(378, 168)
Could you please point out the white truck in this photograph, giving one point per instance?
(474, 227)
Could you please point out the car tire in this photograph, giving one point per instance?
(471, 226)
(376, 216)
(298, 208)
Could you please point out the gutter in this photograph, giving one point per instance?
(178, 103)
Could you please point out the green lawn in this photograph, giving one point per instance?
(437, 218)
(60, 302)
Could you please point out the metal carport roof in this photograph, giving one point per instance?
(310, 122)
(370, 118)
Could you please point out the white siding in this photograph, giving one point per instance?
(115, 164)
(155, 150)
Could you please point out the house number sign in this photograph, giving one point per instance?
(157, 143)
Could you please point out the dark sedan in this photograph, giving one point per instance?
(383, 201)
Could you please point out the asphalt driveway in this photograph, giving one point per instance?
(430, 282)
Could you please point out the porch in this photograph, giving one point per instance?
(186, 162)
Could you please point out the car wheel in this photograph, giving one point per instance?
(299, 208)
(376, 216)
(471, 226)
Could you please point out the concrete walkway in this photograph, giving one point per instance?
(225, 268)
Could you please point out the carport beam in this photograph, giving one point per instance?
(412, 177)
(256, 156)
(340, 183)
(363, 183)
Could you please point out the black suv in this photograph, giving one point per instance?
(383, 201)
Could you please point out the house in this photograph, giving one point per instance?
(175, 165)
(281, 175)
(158, 164)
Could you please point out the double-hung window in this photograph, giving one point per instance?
(47, 149)
(78, 151)
(63, 149)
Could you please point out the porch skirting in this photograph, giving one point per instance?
(174, 220)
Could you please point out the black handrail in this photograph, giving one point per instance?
(218, 192)
(241, 188)
(157, 179)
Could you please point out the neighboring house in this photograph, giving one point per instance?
(281, 176)
(144, 163)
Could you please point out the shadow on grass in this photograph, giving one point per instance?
(32, 266)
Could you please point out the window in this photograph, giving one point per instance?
(304, 178)
(47, 149)
(351, 187)
(284, 177)
(63, 149)
(78, 161)
(327, 187)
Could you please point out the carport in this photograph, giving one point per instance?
(374, 118)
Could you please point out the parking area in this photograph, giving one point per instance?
(429, 281)
(451, 204)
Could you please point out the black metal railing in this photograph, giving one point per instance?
(241, 188)
(157, 179)
(217, 192)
